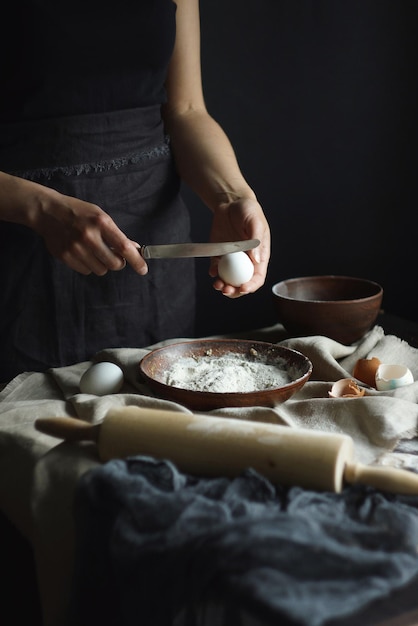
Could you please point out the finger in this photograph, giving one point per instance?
(122, 247)
(227, 290)
(80, 268)
(257, 281)
(107, 256)
(232, 292)
(134, 258)
(95, 266)
(76, 264)
(213, 268)
(82, 260)
(254, 253)
(128, 252)
(115, 262)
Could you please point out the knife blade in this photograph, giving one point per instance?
(182, 250)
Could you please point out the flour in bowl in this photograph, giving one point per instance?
(230, 373)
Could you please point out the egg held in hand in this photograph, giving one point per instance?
(236, 268)
(102, 379)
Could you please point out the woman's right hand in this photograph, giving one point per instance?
(78, 233)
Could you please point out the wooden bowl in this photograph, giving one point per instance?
(155, 365)
(343, 308)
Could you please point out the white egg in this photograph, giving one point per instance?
(101, 379)
(236, 268)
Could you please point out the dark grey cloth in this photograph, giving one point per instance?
(151, 541)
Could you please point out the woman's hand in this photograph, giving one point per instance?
(86, 238)
(237, 220)
(78, 233)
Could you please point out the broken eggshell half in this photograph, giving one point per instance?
(392, 376)
(346, 388)
(365, 370)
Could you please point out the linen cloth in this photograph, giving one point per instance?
(39, 474)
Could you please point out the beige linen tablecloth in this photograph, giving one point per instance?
(38, 473)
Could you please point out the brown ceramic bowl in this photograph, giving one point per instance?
(155, 365)
(343, 308)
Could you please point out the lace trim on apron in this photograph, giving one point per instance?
(159, 151)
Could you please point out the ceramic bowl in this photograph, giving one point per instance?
(155, 365)
(343, 308)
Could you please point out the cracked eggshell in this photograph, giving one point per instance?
(392, 376)
(346, 388)
(235, 268)
(365, 370)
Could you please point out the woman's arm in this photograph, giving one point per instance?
(78, 233)
(204, 156)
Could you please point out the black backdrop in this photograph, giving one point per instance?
(319, 100)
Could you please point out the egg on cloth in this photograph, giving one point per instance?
(235, 268)
(102, 379)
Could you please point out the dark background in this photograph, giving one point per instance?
(319, 101)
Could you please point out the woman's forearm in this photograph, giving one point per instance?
(18, 199)
(205, 158)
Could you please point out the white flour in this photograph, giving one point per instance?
(225, 374)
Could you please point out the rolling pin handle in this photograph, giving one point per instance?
(382, 477)
(68, 428)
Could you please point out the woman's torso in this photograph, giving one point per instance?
(84, 89)
(84, 56)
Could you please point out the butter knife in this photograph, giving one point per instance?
(181, 250)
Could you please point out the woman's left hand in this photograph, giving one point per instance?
(234, 221)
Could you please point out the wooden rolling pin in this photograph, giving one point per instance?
(219, 446)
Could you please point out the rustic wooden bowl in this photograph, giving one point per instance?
(155, 364)
(343, 308)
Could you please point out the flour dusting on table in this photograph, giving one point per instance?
(230, 373)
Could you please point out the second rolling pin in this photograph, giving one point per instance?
(219, 446)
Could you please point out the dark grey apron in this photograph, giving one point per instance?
(53, 316)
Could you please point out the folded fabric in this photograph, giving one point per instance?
(38, 498)
(151, 542)
(376, 422)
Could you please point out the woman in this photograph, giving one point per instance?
(105, 115)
